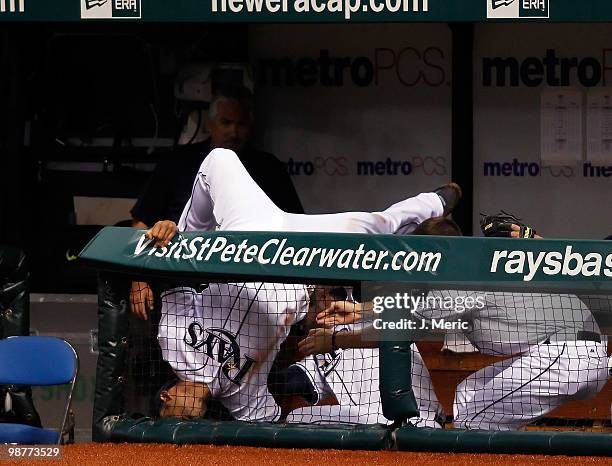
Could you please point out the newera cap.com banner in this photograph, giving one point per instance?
(301, 11)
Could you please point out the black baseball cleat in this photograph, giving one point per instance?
(450, 195)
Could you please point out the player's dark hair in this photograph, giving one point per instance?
(440, 226)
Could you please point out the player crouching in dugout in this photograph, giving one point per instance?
(221, 342)
(553, 348)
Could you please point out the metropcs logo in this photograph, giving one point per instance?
(517, 9)
(111, 9)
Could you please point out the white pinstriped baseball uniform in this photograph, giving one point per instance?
(555, 356)
(352, 375)
(227, 337)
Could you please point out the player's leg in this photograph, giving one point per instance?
(431, 413)
(335, 414)
(307, 377)
(473, 396)
(349, 375)
(529, 387)
(353, 377)
(224, 195)
(400, 218)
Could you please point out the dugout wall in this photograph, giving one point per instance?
(464, 263)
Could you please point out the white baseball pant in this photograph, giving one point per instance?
(225, 197)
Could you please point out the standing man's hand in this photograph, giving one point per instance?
(141, 299)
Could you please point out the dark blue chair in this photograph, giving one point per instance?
(37, 361)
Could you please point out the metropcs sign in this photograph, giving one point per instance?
(517, 9)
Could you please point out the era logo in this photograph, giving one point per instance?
(126, 5)
(517, 9)
(111, 9)
(89, 4)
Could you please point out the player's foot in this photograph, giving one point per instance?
(450, 195)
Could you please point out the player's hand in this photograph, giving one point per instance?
(141, 299)
(516, 229)
(318, 341)
(340, 313)
(162, 232)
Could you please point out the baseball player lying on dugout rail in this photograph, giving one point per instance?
(221, 342)
(555, 349)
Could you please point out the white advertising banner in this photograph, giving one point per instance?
(360, 113)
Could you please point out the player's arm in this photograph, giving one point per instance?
(504, 224)
(516, 232)
(141, 295)
(141, 299)
(162, 232)
(344, 312)
(326, 340)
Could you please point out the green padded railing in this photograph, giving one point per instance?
(255, 435)
(425, 259)
(511, 442)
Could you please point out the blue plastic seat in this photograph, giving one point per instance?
(36, 361)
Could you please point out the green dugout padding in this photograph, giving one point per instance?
(481, 441)
(334, 257)
(248, 434)
(113, 345)
(396, 393)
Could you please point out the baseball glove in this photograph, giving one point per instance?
(500, 225)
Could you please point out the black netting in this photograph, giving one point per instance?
(230, 351)
(258, 351)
